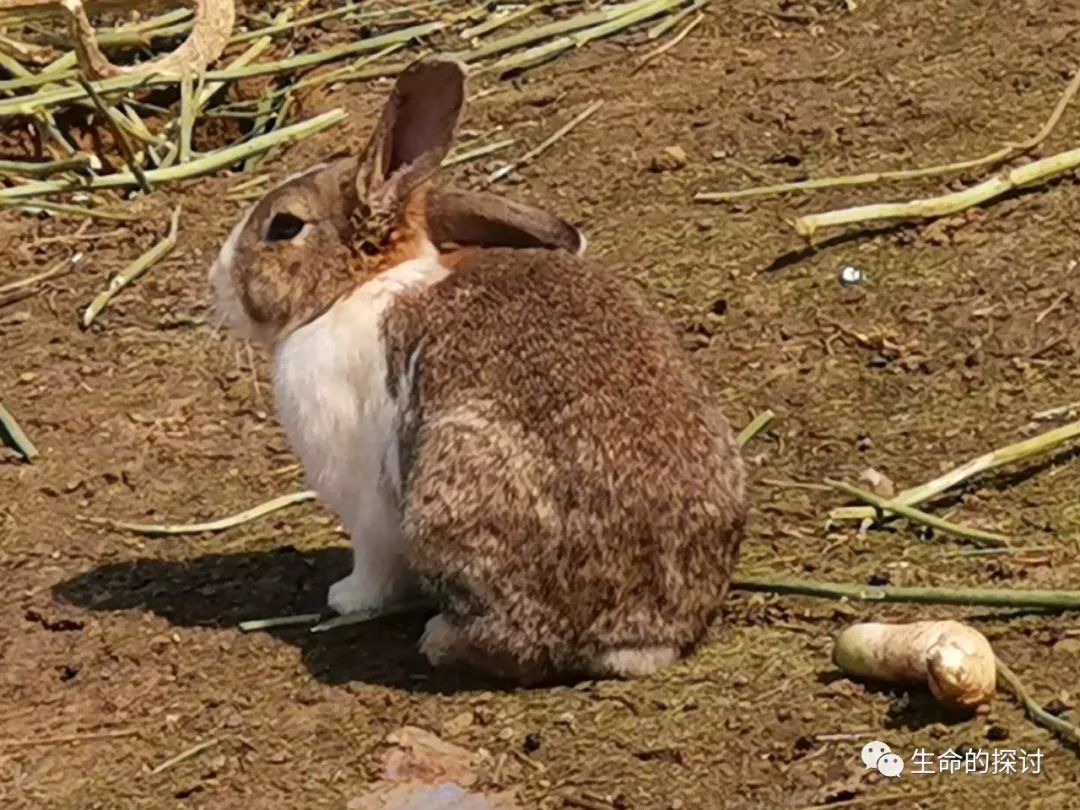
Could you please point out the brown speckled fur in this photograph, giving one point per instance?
(570, 494)
(570, 487)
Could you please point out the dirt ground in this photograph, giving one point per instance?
(120, 651)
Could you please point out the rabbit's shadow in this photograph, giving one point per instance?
(222, 590)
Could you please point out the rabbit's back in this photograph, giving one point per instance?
(564, 467)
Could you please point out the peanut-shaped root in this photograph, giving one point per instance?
(955, 660)
(213, 25)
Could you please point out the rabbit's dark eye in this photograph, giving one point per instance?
(284, 227)
(369, 248)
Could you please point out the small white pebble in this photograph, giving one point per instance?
(852, 275)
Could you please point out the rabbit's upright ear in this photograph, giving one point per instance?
(413, 135)
(480, 219)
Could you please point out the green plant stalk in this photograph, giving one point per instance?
(341, 11)
(46, 122)
(123, 38)
(347, 73)
(15, 46)
(836, 182)
(18, 438)
(28, 104)
(966, 597)
(187, 116)
(133, 271)
(220, 525)
(73, 210)
(498, 21)
(255, 161)
(758, 424)
(516, 40)
(977, 536)
(480, 151)
(139, 34)
(258, 180)
(61, 63)
(664, 26)
(139, 128)
(205, 164)
(263, 114)
(23, 168)
(13, 66)
(363, 74)
(990, 461)
(932, 207)
(121, 140)
(207, 91)
(328, 55)
(545, 52)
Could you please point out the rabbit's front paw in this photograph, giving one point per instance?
(353, 595)
(441, 642)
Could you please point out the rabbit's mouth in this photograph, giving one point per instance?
(227, 303)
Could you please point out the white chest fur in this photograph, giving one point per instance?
(330, 388)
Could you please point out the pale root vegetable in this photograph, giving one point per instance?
(955, 660)
(210, 33)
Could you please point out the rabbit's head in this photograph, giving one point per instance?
(323, 232)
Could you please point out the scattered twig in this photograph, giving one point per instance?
(773, 482)
(759, 423)
(163, 529)
(1057, 302)
(133, 271)
(978, 536)
(1056, 414)
(15, 434)
(667, 46)
(502, 172)
(58, 269)
(968, 597)
(585, 802)
(985, 463)
(864, 801)
(321, 625)
(1036, 712)
(183, 756)
(69, 738)
(1034, 172)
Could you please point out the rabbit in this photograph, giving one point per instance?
(502, 426)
